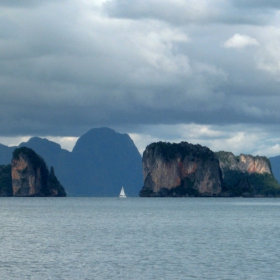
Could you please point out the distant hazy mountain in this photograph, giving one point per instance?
(6, 154)
(105, 161)
(275, 166)
(49, 150)
(101, 162)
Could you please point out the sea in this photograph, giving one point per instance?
(139, 238)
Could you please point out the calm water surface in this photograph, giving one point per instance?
(140, 238)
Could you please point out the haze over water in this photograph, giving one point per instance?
(139, 238)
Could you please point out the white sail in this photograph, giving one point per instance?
(122, 193)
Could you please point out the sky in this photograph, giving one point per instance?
(205, 72)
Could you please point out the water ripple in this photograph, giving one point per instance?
(138, 238)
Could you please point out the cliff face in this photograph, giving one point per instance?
(26, 178)
(180, 170)
(247, 175)
(30, 176)
(244, 163)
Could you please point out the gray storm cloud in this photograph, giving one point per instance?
(67, 66)
(194, 12)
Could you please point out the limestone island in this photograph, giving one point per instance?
(183, 169)
(28, 176)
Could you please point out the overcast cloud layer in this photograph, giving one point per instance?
(200, 71)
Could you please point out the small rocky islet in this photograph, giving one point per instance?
(28, 176)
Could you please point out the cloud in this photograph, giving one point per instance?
(96, 72)
(236, 138)
(68, 66)
(177, 11)
(238, 41)
(201, 12)
(18, 3)
(257, 4)
(268, 56)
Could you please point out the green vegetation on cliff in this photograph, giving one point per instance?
(244, 184)
(224, 157)
(170, 151)
(185, 189)
(34, 158)
(247, 178)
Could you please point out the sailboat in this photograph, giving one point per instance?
(122, 193)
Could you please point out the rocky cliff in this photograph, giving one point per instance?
(180, 170)
(244, 163)
(247, 175)
(31, 177)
